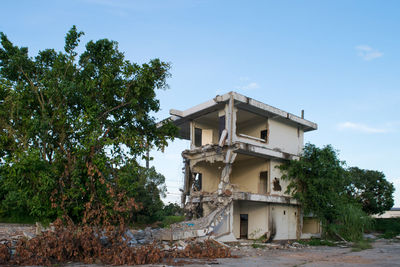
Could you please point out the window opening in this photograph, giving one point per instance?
(264, 135)
(263, 187)
(244, 225)
(197, 136)
(221, 125)
(197, 181)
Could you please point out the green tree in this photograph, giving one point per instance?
(147, 186)
(70, 126)
(320, 182)
(173, 209)
(371, 190)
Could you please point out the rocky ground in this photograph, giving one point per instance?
(14, 231)
(384, 253)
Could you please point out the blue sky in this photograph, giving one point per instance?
(337, 60)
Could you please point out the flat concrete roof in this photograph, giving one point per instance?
(182, 118)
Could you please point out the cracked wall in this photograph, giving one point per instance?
(241, 157)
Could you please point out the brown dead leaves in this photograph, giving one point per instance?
(69, 243)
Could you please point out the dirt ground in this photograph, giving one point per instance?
(383, 253)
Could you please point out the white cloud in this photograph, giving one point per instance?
(368, 53)
(360, 127)
(249, 86)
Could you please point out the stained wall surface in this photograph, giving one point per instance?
(285, 137)
(252, 127)
(276, 173)
(257, 218)
(311, 225)
(246, 173)
(211, 175)
(281, 136)
(284, 219)
(209, 133)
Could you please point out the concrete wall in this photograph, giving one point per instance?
(281, 136)
(285, 137)
(253, 127)
(209, 134)
(284, 219)
(276, 173)
(211, 175)
(246, 174)
(388, 214)
(257, 218)
(311, 225)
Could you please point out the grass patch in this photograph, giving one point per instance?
(388, 227)
(361, 245)
(317, 242)
(255, 245)
(168, 220)
(19, 219)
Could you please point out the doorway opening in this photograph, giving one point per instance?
(244, 225)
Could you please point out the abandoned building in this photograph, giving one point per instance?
(231, 182)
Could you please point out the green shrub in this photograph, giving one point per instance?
(389, 227)
(168, 220)
(351, 224)
(255, 245)
(18, 219)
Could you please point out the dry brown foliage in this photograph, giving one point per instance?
(4, 253)
(99, 237)
(70, 243)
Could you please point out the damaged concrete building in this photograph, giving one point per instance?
(231, 183)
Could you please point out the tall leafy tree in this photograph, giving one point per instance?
(318, 180)
(371, 190)
(70, 126)
(341, 198)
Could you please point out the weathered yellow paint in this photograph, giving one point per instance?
(276, 173)
(209, 133)
(211, 174)
(311, 225)
(207, 137)
(246, 174)
(258, 218)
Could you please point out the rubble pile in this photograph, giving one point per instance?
(15, 231)
(198, 228)
(88, 245)
(269, 246)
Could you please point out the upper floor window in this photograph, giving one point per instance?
(197, 137)
(263, 186)
(264, 135)
(197, 181)
(221, 125)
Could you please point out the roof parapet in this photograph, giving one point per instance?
(242, 102)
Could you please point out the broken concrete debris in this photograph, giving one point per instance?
(76, 244)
